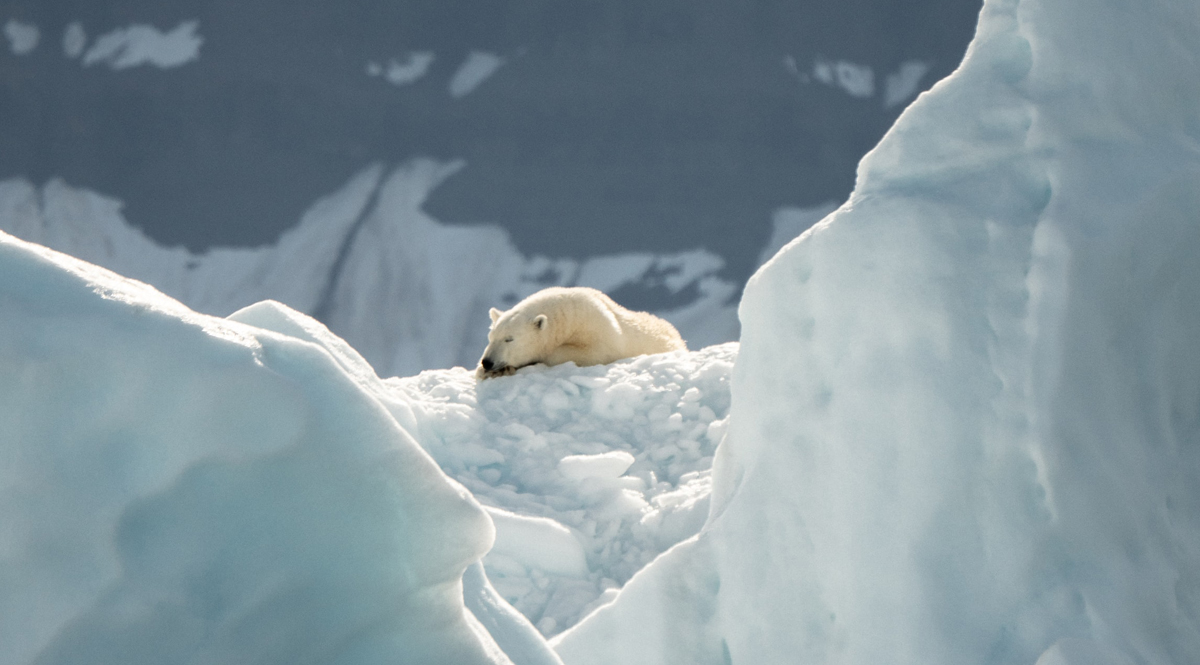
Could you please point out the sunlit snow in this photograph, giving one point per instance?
(962, 424)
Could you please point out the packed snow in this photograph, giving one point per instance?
(588, 472)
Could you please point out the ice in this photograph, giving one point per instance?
(22, 37)
(966, 408)
(963, 425)
(604, 471)
(178, 488)
(369, 262)
(141, 44)
(537, 542)
(603, 465)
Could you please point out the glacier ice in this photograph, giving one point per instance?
(966, 410)
(176, 487)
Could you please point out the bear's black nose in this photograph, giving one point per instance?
(487, 364)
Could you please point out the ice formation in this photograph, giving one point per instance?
(179, 488)
(962, 426)
(966, 410)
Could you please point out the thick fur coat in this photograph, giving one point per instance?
(575, 324)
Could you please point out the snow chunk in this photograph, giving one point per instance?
(537, 542)
(604, 465)
(145, 45)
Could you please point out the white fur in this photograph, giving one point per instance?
(577, 324)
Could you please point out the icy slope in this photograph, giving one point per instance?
(406, 291)
(178, 488)
(966, 411)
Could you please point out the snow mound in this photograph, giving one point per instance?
(966, 409)
(589, 473)
(178, 488)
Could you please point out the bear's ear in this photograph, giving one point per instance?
(539, 321)
(495, 314)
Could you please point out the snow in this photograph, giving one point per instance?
(588, 472)
(180, 488)
(962, 424)
(141, 44)
(22, 37)
(966, 409)
(478, 67)
(369, 262)
(249, 486)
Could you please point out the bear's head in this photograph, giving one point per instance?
(518, 338)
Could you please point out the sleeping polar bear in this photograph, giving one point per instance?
(576, 324)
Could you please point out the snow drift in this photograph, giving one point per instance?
(966, 411)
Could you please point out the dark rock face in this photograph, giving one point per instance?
(610, 125)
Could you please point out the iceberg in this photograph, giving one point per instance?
(177, 487)
(966, 409)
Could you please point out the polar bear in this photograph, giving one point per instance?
(577, 324)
